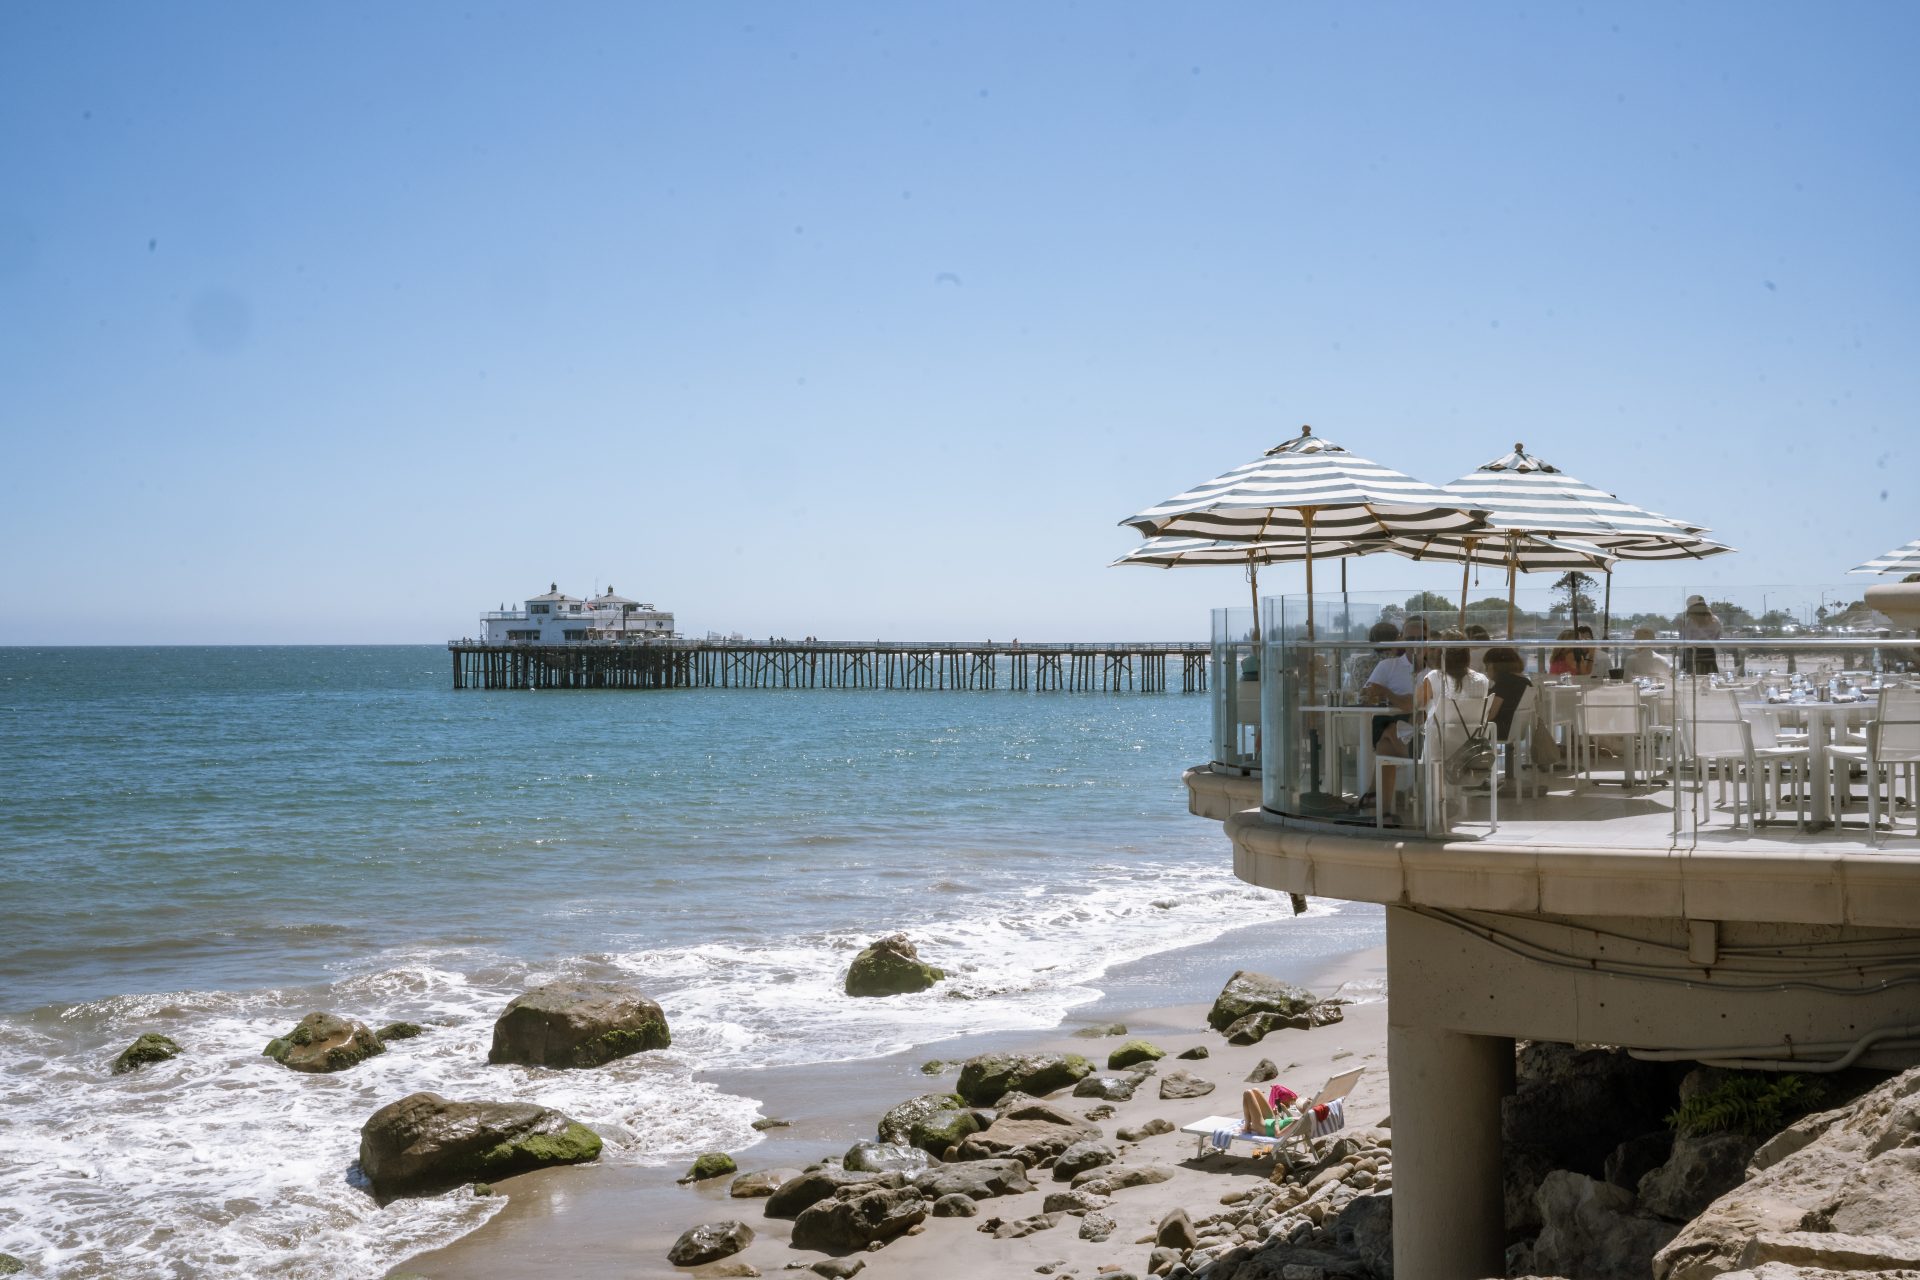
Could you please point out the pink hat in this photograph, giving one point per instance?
(1281, 1096)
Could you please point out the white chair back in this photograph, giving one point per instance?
(1896, 729)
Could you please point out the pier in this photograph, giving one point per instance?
(831, 664)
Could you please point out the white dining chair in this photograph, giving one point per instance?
(1890, 754)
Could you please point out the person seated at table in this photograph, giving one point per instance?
(1415, 633)
(1451, 695)
(1569, 660)
(1648, 664)
(1479, 635)
(1585, 632)
(1389, 684)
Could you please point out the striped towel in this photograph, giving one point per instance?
(1329, 1117)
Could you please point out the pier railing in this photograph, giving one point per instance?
(1074, 666)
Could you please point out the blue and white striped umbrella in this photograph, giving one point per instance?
(1525, 497)
(1899, 560)
(1307, 487)
(1520, 493)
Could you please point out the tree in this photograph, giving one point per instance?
(1731, 614)
(1774, 619)
(1575, 592)
(1429, 602)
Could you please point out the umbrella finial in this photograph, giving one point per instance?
(1519, 448)
(1305, 430)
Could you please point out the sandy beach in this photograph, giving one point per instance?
(610, 1221)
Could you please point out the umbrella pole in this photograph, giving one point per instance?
(1511, 585)
(1606, 616)
(1465, 566)
(1346, 610)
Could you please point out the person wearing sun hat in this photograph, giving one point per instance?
(1699, 623)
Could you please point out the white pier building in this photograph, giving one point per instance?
(558, 618)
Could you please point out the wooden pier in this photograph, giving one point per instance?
(818, 664)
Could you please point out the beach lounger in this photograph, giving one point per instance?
(1209, 1130)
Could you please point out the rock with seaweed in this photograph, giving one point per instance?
(578, 1024)
(323, 1042)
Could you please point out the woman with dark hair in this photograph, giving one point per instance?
(1507, 672)
(1453, 681)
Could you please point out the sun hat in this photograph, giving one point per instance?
(1696, 602)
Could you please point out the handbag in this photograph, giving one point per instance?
(1475, 755)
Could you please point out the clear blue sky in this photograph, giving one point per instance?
(345, 322)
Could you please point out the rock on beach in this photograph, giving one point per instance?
(148, 1049)
(577, 1024)
(1249, 992)
(985, 1079)
(890, 967)
(323, 1042)
(424, 1143)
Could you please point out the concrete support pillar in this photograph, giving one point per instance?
(1448, 1215)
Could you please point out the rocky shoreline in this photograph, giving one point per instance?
(1064, 1158)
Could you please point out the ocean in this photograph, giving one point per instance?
(212, 842)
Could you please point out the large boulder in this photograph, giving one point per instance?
(796, 1194)
(1248, 992)
(324, 1042)
(149, 1048)
(1088, 1153)
(1183, 1084)
(1134, 1052)
(424, 1143)
(885, 1157)
(932, 1122)
(1107, 1088)
(709, 1242)
(1257, 1026)
(577, 1024)
(1700, 1169)
(1589, 1229)
(976, 1180)
(855, 1217)
(1365, 1230)
(985, 1079)
(1031, 1132)
(890, 967)
(1850, 1175)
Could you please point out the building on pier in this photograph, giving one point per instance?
(554, 617)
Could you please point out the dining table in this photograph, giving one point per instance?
(1822, 717)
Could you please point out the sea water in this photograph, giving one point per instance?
(212, 842)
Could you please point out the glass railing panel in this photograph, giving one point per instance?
(1234, 685)
(1643, 742)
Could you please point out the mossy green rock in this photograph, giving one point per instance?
(398, 1031)
(713, 1164)
(425, 1144)
(1249, 992)
(890, 967)
(148, 1049)
(1134, 1051)
(323, 1042)
(932, 1122)
(10, 1265)
(986, 1079)
(577, 1024)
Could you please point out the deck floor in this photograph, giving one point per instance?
(1572, 812)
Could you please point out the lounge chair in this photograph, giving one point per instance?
(1302, 1128)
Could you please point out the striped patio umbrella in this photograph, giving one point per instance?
(1524, 495)
(1899, 560)
(1308, 488)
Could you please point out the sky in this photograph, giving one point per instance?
(343, 323)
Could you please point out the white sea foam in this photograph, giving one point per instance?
(221, 1163)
